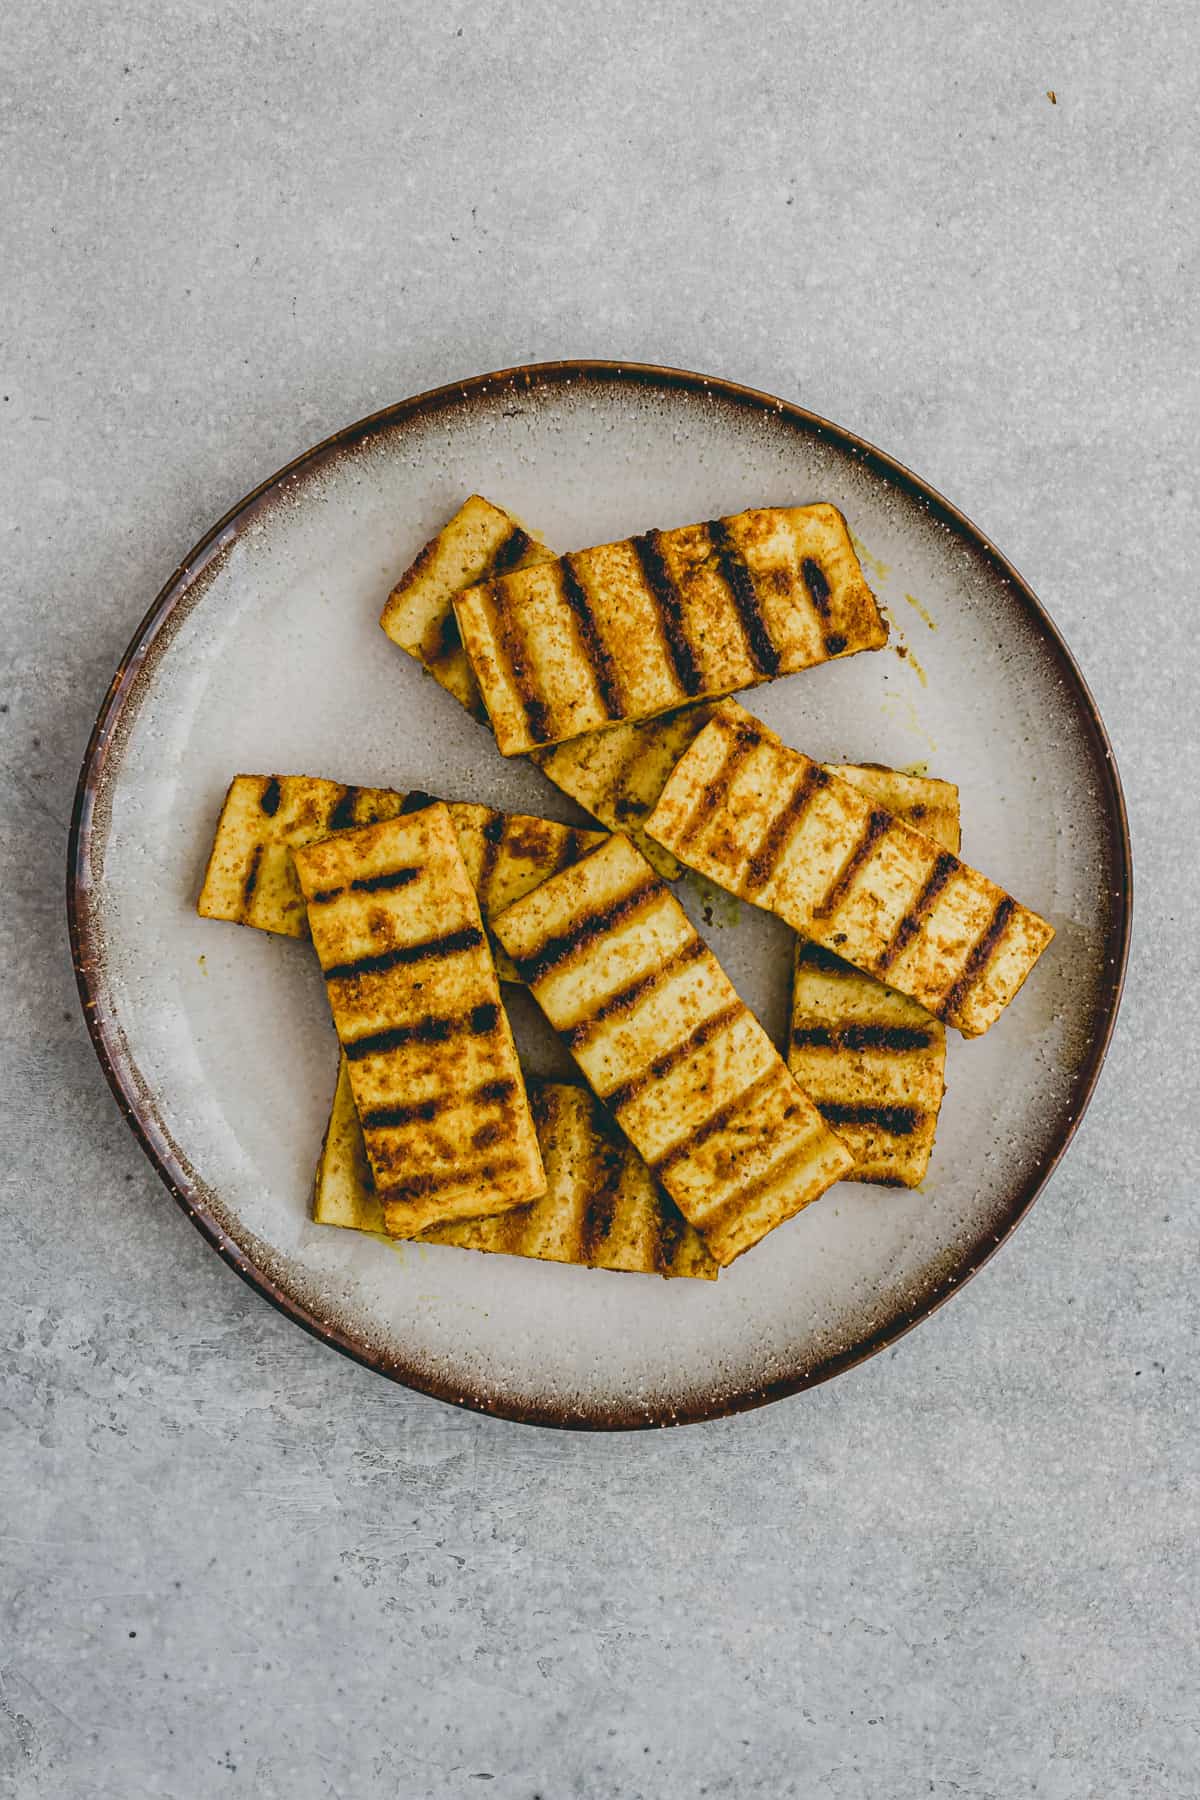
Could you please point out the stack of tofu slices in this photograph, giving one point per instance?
(694, 1137)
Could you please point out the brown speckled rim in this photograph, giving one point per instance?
(182, 1183)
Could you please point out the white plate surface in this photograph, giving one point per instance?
(266, 657)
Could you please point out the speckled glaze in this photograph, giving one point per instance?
(263, 653)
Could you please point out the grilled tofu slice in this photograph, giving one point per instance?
(618, 774)
(629, 630)
(416, 1003)
(251, 878)
(873, 1060)
(479, 542)
(776, 828)
(657, 1028)
(602, 1207)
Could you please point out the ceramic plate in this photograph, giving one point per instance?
(264, 655)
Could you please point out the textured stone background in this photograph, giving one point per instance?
(232, 1563)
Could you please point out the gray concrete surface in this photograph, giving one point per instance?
(235, 1565)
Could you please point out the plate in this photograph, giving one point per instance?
(263, 654)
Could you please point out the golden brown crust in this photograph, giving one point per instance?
(850, 876)
(602, 1208)
(662, 1037)
(416, 1003)
(633, 629)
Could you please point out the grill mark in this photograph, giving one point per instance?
(741, 741)
(591, 641)
(574, 844)
(514, 547)
(387, 1118)
(979, 958)
(752, 1190)
(835, 643)
(445, 640)
(367, 884)
(670, 1059)
(487, 1135)
(515, 651)
(897, 1121)
(493, 1092)
(716, 1121)
(944, 867)
(817, 585)
(468, 938)
(493, 837)
(815, 956)
(417, 801)
(628, 997)
(785, 823)
(668, 604)
(418, 1186)
(556, 950)
(432, 1030)
(271, 796)
(599, 1214)
(878, 823)
(737, 577)
(342, 816)
(251, 878)
(860, 1037)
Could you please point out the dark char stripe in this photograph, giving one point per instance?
(585, 930)
(366, 884)
(478, 1022)
(898, 1121)
(251, 880)
(815, 956)
(817, 585)
(633, 993)
(716, 1121)
(388, 1118)
(271, 796)
(669, 603)
(945, 866)
(774, 841)
(417, 801)
(876, 826)
(979, 958)
(670, 1059)
(414, 1187)
(599, 1214)
(591, 641)
(493, 837)
(740, 582)
(468, 938)
(515, 652)
(342, 816)
(860, 1037)
(738, 744)
(514, 547)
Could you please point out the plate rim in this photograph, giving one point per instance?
(171, 1170)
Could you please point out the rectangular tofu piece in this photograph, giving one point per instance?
(873, 1060)
(480, 541)
(618, 774)
(416, 1004)
(776, 828)
(682, 1064)
(251, 878)
(629, 630)
(602, 1208)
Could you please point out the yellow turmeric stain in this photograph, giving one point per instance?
(917, 670)
(880, 570)
(920, 611)
(912, 722)
(917, 768)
